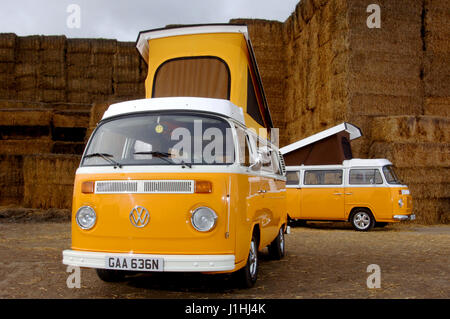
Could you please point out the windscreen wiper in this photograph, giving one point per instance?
(163, 156)
(107, 157)
(157, 154)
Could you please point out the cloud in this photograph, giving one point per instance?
(123, 20)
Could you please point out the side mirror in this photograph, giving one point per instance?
(256, 166)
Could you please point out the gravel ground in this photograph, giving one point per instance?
(324, 260)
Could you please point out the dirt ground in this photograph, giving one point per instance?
(324, 260)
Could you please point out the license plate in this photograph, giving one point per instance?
(134, 263)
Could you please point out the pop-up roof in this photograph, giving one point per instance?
(209, 61)
(331, 146)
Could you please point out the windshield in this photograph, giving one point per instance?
(161, 139)
(390, 175)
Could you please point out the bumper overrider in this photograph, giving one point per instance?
(174, 263)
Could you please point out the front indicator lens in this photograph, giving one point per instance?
(203, 219)
(86, 217)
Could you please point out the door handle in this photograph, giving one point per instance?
(348, 193)
(337, 194)
(262, 191)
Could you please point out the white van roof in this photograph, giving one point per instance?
(145, 36)
(205, 105)
(351, 129)
(355, 162)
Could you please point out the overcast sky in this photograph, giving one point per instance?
(122, 20)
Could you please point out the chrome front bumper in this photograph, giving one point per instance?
(404, 217)
(175, 263)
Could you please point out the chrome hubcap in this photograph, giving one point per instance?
(253, 259)
(281, 240)
(361, 220)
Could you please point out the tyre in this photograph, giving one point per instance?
(278, 246)
(110, 275)
(246, 277)
(362, 219)
(380, 225)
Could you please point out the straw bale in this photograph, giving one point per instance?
(79, 58)
(411, 129)
(430, 190)
(60, 147)
(48, 180)
(126, 58)
(52, 82)
(52, 55)
(49, 95)
(439, 106)
(78, 45)
(11, 179)
(413, 154)
(68, 106)
(7, 67)
(7, 54)
(71, 118)
(431, 211)
(126, 74)
(424, 175)
(25, 69)
(129, 89)
(7, 81)
(57, 42)
(30, 94)
(7, 40)
(29, 146)
(30, 43)
(25, 117)
(52, 69)
(104, 46)
(26, 82)
(79, 97)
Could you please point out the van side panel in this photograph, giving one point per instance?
(377, 199)
(323, 203)
(293, 203)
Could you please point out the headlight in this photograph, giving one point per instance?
(203, 219)
(400, 203)
(86, 217)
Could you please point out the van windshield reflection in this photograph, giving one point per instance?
(161, 139)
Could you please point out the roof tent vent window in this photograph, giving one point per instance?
(207, 77)
(252, 102)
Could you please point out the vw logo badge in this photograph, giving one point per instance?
(139, 216)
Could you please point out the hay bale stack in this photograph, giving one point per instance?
(11, 179)
(317, 57)
(436, 74)
(51, 176)
(7, 66)
(90, 69)
(130, 72)
(27, 68)
(270, 51)
(52, 72)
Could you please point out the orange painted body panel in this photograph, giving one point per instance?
(336, 203)
(234, 197)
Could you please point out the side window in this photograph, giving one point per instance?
(323, 177)
(292, 178)
(365, 177)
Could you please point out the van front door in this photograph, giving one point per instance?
(323, 195)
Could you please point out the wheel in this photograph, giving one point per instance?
(246, 277)
(277, 247)
(362, 220)
(110, 275)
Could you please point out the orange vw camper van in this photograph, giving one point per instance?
(181, 181)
